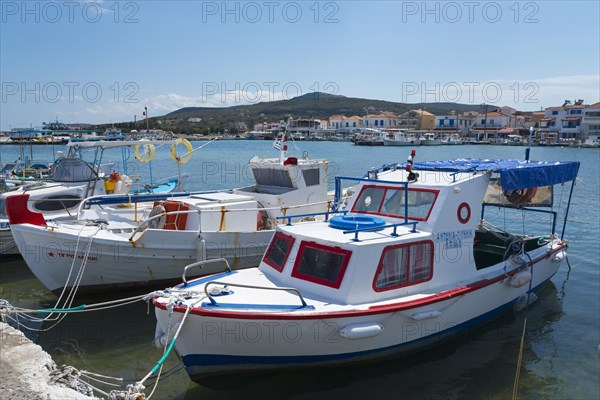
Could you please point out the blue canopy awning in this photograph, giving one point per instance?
(514, 174)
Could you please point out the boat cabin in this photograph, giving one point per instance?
(404, 234)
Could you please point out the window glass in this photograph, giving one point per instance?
(272, 177)
(56, 203)
(73, 170)
(404, 265)
(369, 200)
(391, 202)
(321, 264)
(311, 176)
(278, 251)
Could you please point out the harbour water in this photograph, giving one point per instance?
(561, 357)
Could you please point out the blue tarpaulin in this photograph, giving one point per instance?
(514, 174)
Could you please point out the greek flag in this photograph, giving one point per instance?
(277, 144)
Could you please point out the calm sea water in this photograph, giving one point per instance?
(561, 358)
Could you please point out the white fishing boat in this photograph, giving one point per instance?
(430, 139)
(451, 139)
(411, 263)
(75, 177)
(153, 239)
(401, 138)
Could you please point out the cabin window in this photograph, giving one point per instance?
(321, 264)
(390, 201)
(57, 203)
(278, 251)
(311, 176)
(272, 177)
(404, 265)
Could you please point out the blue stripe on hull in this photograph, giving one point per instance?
(203, 366)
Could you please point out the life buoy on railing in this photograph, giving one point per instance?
(147, 153)
(519, 197)
(351, 222)
(185, 157)
(158, 223)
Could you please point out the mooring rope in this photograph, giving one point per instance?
(515, 393)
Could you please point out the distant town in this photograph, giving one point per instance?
(573, 123)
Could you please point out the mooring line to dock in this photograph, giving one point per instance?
(137, 389)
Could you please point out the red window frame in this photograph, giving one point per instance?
(434, 191)
(408, 282)
(288, 238)
(336, 250)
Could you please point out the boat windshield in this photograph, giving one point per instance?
(390, 202)
(73, 170)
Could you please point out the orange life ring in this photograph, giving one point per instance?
(519, 197)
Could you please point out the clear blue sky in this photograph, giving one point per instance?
(104, 61)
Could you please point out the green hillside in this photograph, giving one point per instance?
(312, 105)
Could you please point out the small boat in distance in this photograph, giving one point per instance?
(411, 262)
(401, 138)
(430, 139)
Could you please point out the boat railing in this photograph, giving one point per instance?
(285, 289)
(373, 229)
(325, 213)
(223, 211)
(552, 212)
(145, 223)
(201, 264)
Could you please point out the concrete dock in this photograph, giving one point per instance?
(27, 371)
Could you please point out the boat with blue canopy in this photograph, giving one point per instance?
(420, 253)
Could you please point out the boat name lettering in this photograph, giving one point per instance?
(59, 254)
(269, 332)
(453, 239)
(4, 225)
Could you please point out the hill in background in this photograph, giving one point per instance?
(312, 105)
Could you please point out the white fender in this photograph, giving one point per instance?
(361, 331)
(558, 257)
(158, 223)
(520, 279)
(425, 315)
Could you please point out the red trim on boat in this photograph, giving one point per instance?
(382, 309)
(19, 213)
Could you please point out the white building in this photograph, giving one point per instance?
(590, 123)
(342, 122)
(496, 120)
(304, 128)
(447, 122)
(467, 120)
(382, 121)
(565, 120)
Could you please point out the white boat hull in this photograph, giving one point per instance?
(388, 142)
(212, 345)
(56, 258)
